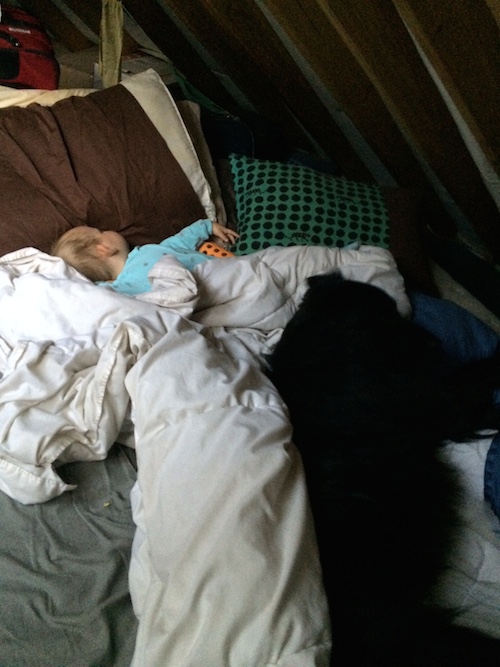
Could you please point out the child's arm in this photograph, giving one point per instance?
(190, 237)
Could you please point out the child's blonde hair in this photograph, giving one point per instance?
(78, 249)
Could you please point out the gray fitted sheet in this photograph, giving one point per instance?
(64, 599)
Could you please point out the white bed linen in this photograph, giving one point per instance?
(66, 345)
(224, 566)
(471, 584)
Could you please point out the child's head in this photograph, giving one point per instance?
(98, 255)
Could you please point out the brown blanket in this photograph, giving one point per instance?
(95, 160)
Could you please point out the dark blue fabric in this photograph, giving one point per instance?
(492, 476)
(464, 338)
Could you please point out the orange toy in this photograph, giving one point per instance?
(215, 250)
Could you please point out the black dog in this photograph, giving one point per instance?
(372, 398)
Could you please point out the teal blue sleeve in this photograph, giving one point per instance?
(190, 237)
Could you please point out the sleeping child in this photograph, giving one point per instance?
(105, 256)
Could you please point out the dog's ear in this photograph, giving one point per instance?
(325, 279)
(322, 289)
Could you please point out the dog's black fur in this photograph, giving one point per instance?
(372, 398)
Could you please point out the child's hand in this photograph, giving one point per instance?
(225, 234)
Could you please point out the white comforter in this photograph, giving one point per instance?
(66, 346)
(224, 566)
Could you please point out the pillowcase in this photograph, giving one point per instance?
(161, 109)
(97, 158)
(19, 97)
(284, 204)
(191, 115)
(287, 204)
(178, 123)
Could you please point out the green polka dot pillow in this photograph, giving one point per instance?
(284, 204)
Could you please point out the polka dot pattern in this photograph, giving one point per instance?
(284, 204)
(214, 250)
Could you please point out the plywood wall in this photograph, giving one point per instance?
(402, 92)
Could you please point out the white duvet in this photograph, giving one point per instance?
(224, 567)
(66, 345)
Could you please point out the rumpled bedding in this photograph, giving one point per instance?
(64, 571)
(66, 346)
(224, 567)
(471, 583)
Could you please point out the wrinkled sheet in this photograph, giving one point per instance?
(224, 567)
(64, 586)
(67, 345)
(471, 584)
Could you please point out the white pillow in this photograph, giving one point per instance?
(13, 97)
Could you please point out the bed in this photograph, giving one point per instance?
(154, 507)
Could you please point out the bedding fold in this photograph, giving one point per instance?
(66, 345)
(225, 567)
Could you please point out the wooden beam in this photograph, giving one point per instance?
(89, 12)
(461, 41)
(394, 67)
(245, 48)
(171, 41)
(58, 24)
(368, 60)
(324, 45)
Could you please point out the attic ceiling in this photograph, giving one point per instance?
(399, 92)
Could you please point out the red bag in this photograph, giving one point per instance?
(27, 58)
